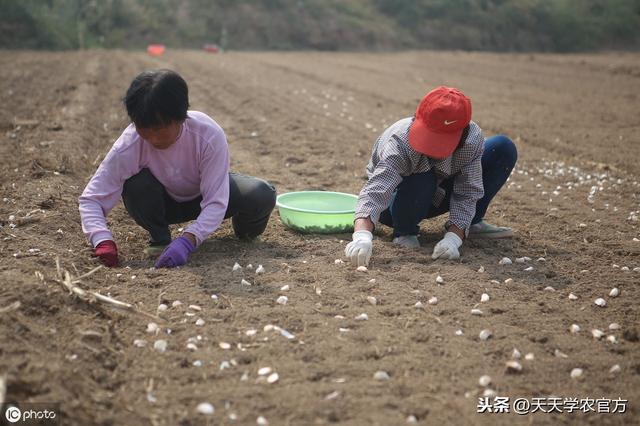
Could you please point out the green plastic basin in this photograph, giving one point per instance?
(317, 212)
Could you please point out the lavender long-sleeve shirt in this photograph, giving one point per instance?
(196, 164)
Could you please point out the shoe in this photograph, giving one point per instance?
(483, 229)
(407, 241)
(155, 250)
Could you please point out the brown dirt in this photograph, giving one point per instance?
(315, 116)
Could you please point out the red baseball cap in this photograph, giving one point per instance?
(439, 122)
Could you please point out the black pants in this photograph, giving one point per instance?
(251, 201)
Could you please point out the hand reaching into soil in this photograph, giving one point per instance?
(108, 253)
(176, 253)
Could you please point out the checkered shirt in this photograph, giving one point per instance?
(393, 157)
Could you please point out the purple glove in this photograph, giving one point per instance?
(176, 253)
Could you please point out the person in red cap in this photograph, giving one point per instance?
(423, 166)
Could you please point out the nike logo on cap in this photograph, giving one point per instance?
(447, 123)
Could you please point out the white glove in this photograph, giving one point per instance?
(359, 250)
(448, 247)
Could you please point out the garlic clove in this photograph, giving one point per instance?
(484, 334)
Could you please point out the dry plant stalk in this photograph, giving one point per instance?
(64, 279)
(12, 307)
(3, 389)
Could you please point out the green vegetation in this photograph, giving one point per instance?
(502, 25)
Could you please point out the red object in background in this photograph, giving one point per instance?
(211, 48)
(155, 49)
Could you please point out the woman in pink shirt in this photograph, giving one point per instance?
(171, 165)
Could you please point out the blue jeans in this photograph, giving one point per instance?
(412, 199)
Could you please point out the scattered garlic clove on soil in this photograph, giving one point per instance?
(476, 312)
(459, 333)
(162, 307)
(362, 317)
(236, 267)
(261, 421)
(411, 419)
(541, 259)
(530, 356)
(152, 327)
(224, 345)
(418, 305)
(508, 281)
(139, 343)
(513, 367)
(282, 300)
(160, 345)
(573, 296)
(372, 281)
(574, 328)
(520, 259)
(614, 292)
(285, 287)
(264, 371)
(612, 339)
(361, 269)
(505, 261)
(251, 332)
(495, 282)
(273, 377)
(176, 303)
(576, 373)
(192, 346)
(199, 322)
(433, 301)
(195, 307)
(600, 302)
(529, 269)
(516, 354)
(597, 334)
(484, 334)
(481, 269)
(484, 381)
(249, 266)
(489, 393)
(439, 280)
(372, 300)
(484, 297)
(558, 353)
(338, 261)
(205, 408)
(615, 369)
(549, 288)
(614, 326)
(260, 269)
(381, 375)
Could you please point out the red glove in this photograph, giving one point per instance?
(108, 253)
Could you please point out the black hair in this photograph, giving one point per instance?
(156, 98)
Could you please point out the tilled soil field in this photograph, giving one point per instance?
(308, 121)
